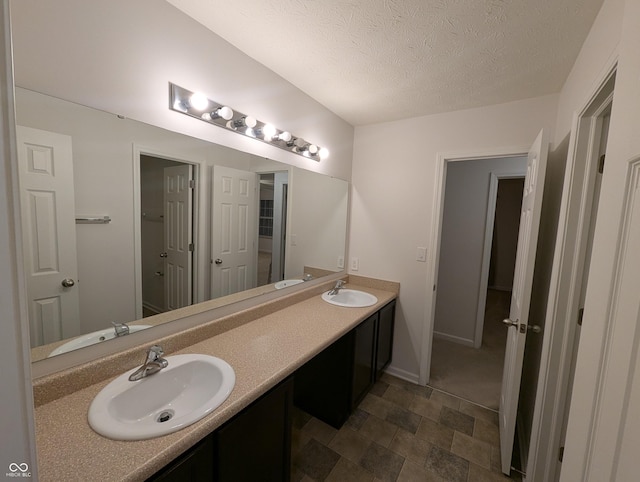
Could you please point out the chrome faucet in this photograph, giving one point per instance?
(153, 364)
(336, 289)
(121, 328)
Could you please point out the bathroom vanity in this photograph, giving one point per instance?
(268, 346)
(329, 386)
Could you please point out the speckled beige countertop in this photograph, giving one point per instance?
(262, 352)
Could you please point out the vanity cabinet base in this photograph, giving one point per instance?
(253, 445)
(332, 384)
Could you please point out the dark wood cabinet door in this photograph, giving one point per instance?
(195, 465)
(363, 359)
(384, 348)
(256, 445)
(322, 385)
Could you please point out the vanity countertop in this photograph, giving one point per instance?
(262, 352)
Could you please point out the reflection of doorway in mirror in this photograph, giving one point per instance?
(166, 233)
(272, 226)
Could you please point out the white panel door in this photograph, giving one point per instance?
(178, 237)
(234, 240)
(521, 295)
(48, 224)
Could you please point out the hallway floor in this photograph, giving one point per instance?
(475, 374)
(401, 432)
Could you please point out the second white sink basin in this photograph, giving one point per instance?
(285, 283)
(93, 338)
(189, 388)
(350, 298)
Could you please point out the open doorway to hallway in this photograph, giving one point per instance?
(480, 224)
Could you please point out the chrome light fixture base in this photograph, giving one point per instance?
(199, 106)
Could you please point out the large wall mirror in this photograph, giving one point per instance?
(124, 221)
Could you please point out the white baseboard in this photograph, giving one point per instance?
(454, 339)
(402, 374)
(155, 309)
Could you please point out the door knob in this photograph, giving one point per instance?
(534, 328)
(68, 282)
(510, 322)
(218, 261)
(163, 255)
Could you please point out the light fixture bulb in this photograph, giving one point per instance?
(313, 149)
(223, 112)
(220, 113)
(324, 153)
(268, 131)
(198, 101)
(246, 121)
(284, 136)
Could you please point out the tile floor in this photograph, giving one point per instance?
(400, 432)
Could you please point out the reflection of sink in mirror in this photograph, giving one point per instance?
(285, 283)
(93, 338)
(350, 298)
(189, 388)
(108, 289)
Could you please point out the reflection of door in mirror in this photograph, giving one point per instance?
(234, 240)
(272, 226)
(48, 226)
(166, 234)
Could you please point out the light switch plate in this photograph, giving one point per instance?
(421, 254)
(341, 262)
(354, 264)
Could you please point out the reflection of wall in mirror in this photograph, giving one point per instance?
(318, 217)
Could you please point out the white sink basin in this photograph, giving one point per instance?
(350, 298)
(92, 339)
(189, 388)
(285, 283)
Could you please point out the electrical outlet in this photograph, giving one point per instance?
(354, 264)
(421, 254)
(341, 262)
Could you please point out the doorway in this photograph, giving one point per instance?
(481, 214)
(166, 233)
(569, 279)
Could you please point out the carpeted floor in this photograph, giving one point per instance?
(470, 373)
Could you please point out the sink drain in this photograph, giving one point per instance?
(165, 416)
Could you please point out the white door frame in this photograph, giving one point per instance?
(200, 237)
(436, 231)
(17, 417)
(565, 283)
(280, 207)
(486, 250)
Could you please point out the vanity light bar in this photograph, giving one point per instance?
(199, 106)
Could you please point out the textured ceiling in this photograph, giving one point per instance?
(376, 60)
